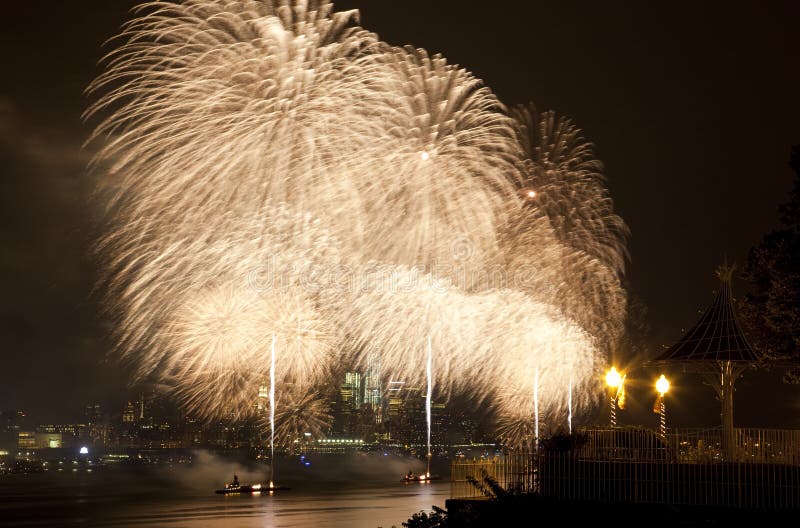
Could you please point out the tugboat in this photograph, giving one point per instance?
(235, 487)
(425, 477)
(231, 489)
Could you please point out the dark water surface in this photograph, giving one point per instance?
(159, 497)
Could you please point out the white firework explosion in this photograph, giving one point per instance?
(271, 162)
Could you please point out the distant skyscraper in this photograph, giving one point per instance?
(12, 421)
(394, 393)
(93, 413)
(351, 390)
(372, 383)
(95, 427)
(129, 414)
(262, 402)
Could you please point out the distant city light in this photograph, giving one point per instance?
(84, 450)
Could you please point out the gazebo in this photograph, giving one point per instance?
(716, 348)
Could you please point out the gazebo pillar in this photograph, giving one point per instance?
(726, 382)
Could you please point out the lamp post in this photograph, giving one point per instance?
(614, 381)
(662, 387)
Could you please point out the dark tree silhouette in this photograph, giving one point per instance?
(771, 309)
(435, 519)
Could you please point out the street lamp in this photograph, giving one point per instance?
(615, 382)
(662, 387)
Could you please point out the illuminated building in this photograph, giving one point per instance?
(336, 445)
(92, 413)
(348, 404)
(262, 401)
(129, 414)
(60, 435)
(412, 423)
(49, 440)
(394, 395)
(26, 440)
(32, 440)
(372, 385)
(97, 426)
(351, 390)
(440, 422)
(11, 420)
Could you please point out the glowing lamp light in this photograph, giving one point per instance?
(84, 450)
(662, 385)
(531, 194)
(424, 155)
(613, 378)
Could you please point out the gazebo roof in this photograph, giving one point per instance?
(717, 336)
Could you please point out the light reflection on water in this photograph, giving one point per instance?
(122, 499)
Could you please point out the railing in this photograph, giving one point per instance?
(512, 472)
(772, 446)
(683, 467)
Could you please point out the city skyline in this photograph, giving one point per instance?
(151, 420)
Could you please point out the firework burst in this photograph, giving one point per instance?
(272, 165)
(300, 413)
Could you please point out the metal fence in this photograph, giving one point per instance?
(512, 472)
(683, 467)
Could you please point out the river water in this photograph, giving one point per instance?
(159, 497)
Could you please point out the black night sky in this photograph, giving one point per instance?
(692, 106)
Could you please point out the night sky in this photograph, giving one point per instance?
(692, 106)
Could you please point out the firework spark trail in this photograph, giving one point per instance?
(536, 407)
(272, 413)
(429, 368)
(569, 405)
(272, 163)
